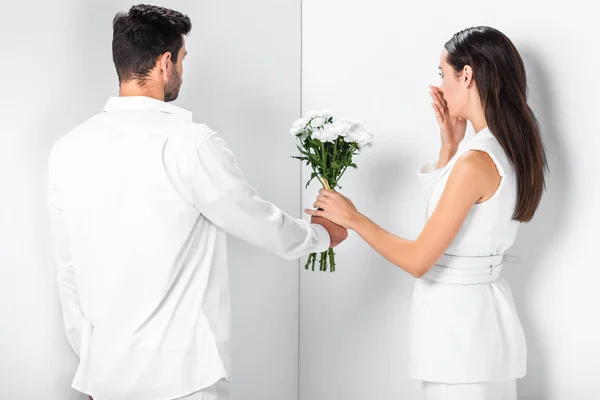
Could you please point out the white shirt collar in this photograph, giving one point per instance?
(484, 131)
(137, 103)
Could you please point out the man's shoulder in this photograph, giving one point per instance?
(185, 138)
(194, 133)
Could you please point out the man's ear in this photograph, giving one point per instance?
(165, 63)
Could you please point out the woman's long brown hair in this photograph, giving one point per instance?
(499, 74)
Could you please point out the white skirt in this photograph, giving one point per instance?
(500, 390)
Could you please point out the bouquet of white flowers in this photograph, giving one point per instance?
(328, 143)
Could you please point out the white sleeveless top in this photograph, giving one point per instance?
(464, 325)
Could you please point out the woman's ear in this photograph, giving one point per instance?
(467, 76)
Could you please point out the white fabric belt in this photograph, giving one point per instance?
(468, 270)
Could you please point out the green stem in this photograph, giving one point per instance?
(308, 260)
(331, 260)
(323, 259)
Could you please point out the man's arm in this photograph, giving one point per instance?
(209, 177)
(67, 289)
(338, 233)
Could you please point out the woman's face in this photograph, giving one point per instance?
(455, 88)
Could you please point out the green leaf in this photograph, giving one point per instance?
(301, 151)
(314, 160)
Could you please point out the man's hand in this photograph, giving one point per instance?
(337, 233)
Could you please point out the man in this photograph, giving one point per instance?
(141, 199)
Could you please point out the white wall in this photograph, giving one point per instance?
(246, 85)
(242, 77)
(373, 61)
(369, 61)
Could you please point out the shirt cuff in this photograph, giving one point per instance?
(429, 175)
(323, 238)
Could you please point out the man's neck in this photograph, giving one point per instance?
(148, 90)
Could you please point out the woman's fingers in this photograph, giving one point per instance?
(315, 213)
(321, 201)
(440, 97)
(327, 193)
(438, 106)
(319, 204)
(438, 114)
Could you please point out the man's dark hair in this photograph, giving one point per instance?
(143, 34)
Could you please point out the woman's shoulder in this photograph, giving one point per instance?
(478, 164)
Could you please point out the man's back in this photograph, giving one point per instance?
(147, 273)
(140, 200)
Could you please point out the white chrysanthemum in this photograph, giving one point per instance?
(362, 145)
(317, 122)
(318, 114)
(325, 127)
(330, 132)
(310, 115)
(359, 135)
(299, 127)
(326, 114)
(340, 127)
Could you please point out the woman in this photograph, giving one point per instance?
(466, 338)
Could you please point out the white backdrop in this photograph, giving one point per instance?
(373, 61)
(369, 60)
(242, 77)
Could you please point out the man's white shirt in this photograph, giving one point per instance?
(141, 199)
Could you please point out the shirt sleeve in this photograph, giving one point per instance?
(67, 287)
(207, 174)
